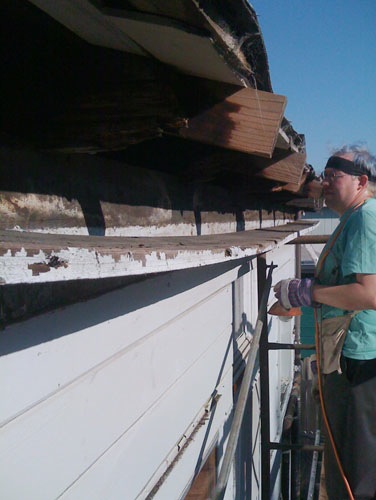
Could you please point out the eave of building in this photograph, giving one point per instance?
(174, 35)
(175, 42)
(83, 98)
(39, 258)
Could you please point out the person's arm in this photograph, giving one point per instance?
(352, 297)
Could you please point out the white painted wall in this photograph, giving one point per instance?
(97, 398)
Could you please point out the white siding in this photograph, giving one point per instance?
(96, 397)
(122, 367)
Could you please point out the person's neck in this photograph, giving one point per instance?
(359, 199)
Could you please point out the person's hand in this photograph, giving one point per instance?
(294, 292)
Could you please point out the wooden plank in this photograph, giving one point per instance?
(286, 169)
(247, 121)
(204, 483)
(35, 258)
(312, 239)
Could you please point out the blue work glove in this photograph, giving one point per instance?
(294, 292)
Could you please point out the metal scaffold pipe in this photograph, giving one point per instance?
(243, 393)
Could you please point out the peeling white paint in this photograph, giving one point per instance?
(129, 257)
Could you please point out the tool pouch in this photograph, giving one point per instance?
(332, 337)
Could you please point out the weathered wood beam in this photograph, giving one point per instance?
(247, 121)
(35, 258)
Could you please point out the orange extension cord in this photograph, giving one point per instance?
(325, 417)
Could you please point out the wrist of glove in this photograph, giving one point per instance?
(294, 293)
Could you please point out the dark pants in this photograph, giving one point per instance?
(350, 402)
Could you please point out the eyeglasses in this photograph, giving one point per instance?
(331, 177)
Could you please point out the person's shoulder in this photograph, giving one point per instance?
(369, 205)
(368, 210)
(363, 219)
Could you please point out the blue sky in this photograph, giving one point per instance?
(322, 57)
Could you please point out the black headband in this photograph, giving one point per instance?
(347, 166)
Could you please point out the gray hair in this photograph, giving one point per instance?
(363, 159)
(371, 188)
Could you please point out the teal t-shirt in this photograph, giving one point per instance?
(354, 252)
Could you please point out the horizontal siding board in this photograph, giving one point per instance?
(130, 466)
(86, 419)
(210, 433)
(100, 328)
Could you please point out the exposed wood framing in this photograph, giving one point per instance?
(114, 119)
(37, 258)
(247, 121)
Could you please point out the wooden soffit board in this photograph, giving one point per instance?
(287, 169)
(247, 121)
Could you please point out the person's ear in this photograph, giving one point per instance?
(363, 180)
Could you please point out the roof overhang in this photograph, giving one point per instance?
(190, 49)
(193, 70)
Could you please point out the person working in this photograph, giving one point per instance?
(344, 294)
